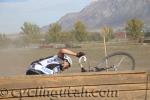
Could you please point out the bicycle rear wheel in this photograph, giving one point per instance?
(118, 61)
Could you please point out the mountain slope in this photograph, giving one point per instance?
(108, 12)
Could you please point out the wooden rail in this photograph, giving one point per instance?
(79, 86)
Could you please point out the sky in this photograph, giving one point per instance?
(13, 13)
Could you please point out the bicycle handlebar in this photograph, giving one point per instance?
(81, 60)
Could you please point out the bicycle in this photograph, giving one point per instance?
(117, 61)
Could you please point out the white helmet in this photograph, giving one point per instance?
(66, 57)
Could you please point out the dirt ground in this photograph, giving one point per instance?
(14, 61)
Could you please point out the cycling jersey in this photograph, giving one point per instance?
(50, 65)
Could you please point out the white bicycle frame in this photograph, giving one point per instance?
(83, 59)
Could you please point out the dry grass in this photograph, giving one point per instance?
(15, 61)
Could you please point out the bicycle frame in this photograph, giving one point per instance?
(83, 59)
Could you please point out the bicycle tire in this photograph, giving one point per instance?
(115, 54)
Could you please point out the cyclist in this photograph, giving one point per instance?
(53, 64)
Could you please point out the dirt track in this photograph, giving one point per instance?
(14, 61)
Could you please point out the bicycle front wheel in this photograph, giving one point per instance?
(118, 61)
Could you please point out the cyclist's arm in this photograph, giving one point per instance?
(66, 51)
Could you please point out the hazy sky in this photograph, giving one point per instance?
(13, 13)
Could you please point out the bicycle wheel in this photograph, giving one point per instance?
(118, 61)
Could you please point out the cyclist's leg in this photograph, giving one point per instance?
(33, 72)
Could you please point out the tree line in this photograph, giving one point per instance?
(31, 33)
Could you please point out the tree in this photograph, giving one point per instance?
(66, 37)
(107, 32)
(54, 32)
(2, 37)
(134, 29)
(80, 32)
(31, 32)
(4, 40)
(94, 36)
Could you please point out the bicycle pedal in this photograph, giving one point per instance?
(83, 70)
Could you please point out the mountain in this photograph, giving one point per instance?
(114, 13)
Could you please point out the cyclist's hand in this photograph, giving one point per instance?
(80, 54)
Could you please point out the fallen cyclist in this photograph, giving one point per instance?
(53, 64)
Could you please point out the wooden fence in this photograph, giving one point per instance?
(79, 86)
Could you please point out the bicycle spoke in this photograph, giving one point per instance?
(119, 63)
